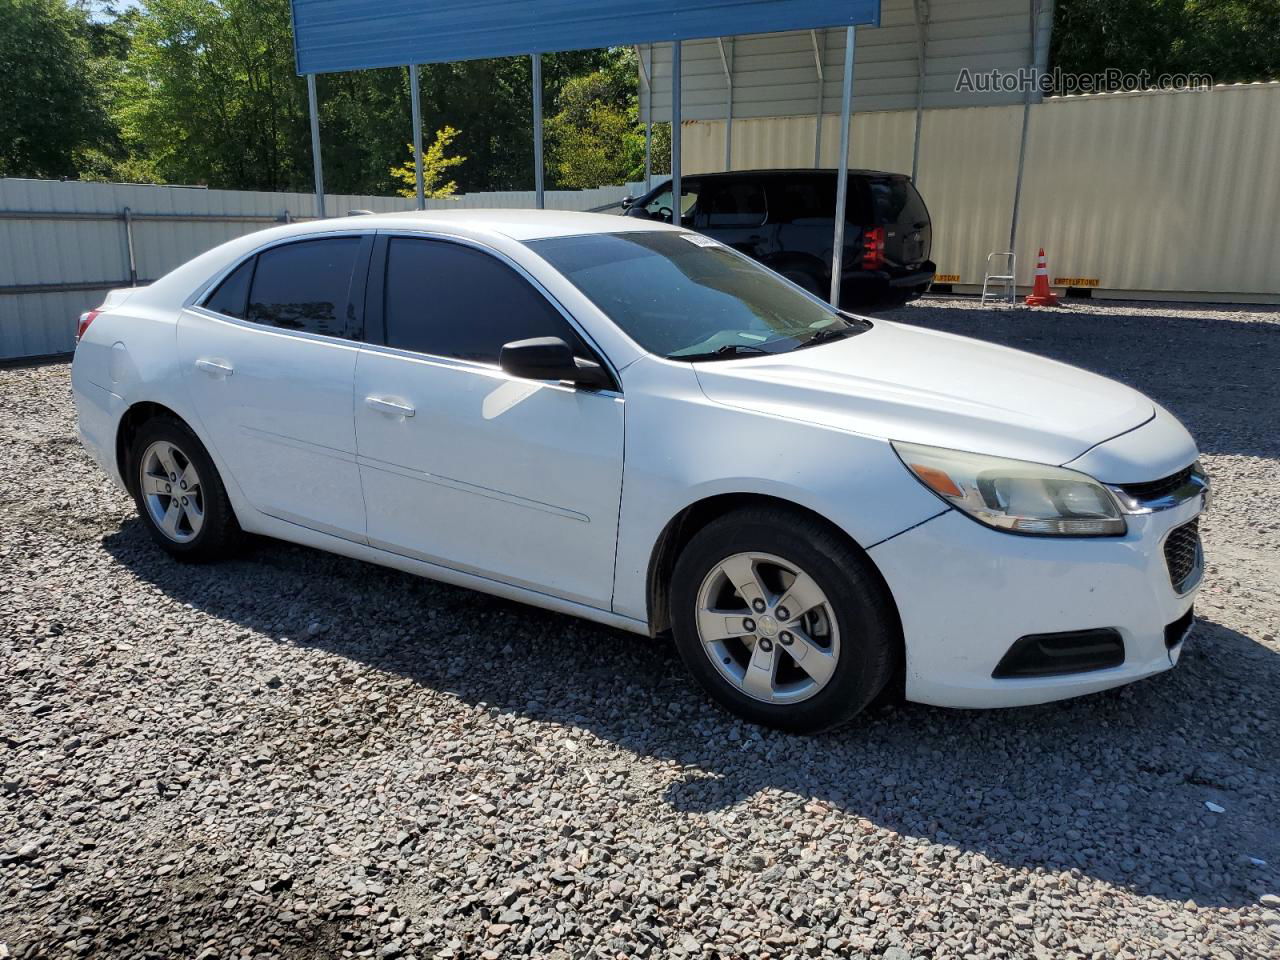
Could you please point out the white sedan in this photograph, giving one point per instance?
(635, 424)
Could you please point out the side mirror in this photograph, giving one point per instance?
(550, 358)
(627, 202)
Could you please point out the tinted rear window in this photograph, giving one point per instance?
(896, 201)
(307, 286)
(230, 297)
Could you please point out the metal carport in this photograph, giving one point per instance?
(332, 36)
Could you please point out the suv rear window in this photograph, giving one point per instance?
(896, 201)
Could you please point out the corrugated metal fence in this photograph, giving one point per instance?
(1161, 194)
(63, 243)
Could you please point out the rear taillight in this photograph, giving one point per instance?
(85, 319)
(873, 248)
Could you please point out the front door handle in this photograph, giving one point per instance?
(392, 408)
(215, 368)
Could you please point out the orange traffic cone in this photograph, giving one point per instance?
(1041, 295)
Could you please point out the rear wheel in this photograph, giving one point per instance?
(179, 494)
(782, 620)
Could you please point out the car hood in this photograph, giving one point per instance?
(908, 383)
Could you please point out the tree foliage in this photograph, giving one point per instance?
(1233, 41)
(50, 93)
(206, 91)
(435, 164)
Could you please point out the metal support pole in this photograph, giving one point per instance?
(1026, 122)
(675, 133)
(128, 239)
(817, 112)
(842, 168)
(728, 106)
(539, 191)
(648, 116)
(648, 154)
(922, 38)
(315, 144)
(415, 98)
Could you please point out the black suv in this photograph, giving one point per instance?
(785, 219)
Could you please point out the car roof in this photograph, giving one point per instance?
(790, 172)
(520, 225)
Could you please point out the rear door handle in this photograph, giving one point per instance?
(392, 408)
(215, 368)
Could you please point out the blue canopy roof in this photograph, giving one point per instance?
(336, 35)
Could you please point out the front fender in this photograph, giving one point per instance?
(854, 481)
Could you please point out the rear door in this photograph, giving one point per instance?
(269, 358)
(898, 207)
(735, 211)
(464, 465)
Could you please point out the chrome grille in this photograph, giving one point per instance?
(1155, 489)
(1182, 555)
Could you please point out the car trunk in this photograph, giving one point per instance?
(897, 207)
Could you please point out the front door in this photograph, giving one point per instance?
(468, 467)
(269, 358)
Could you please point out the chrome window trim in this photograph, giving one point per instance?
(205, 290)
(263, 328)
(481, 366)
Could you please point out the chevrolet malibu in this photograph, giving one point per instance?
(633, 423)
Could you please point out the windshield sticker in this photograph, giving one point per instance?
(698, 240)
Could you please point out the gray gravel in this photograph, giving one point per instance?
(297, 755)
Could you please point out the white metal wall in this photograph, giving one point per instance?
(775, 75)
(1159, 193)
(40, 251)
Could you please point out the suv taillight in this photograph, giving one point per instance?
(873, 248)
(85, 319)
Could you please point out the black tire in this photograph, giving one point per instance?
(219, 535)
(805, 280)
(864, 613)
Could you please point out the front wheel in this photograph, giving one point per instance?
(783, 620)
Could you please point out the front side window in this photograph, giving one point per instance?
(452, 300)
(307, 286)
(659, 208)
(686, 297)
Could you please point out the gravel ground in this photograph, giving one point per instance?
(298, 755)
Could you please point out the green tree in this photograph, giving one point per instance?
(595, 136)
(1233, 41)
(435, 163)
(51, 98)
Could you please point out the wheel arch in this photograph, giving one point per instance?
(130, 423)
(681, 528)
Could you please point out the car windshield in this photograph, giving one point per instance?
(686, 297)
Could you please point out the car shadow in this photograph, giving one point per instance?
(1215, 373)
(1112, 786)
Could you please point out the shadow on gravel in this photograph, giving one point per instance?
(1215, 373)
(1113, 785)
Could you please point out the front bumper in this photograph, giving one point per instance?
(967, 593)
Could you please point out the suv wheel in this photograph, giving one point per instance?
(179, 494)
(782, 620)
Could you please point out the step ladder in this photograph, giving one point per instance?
(1002, 272)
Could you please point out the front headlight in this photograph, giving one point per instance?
(1016, 495)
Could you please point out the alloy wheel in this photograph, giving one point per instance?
(768, 628)
(171, 491)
